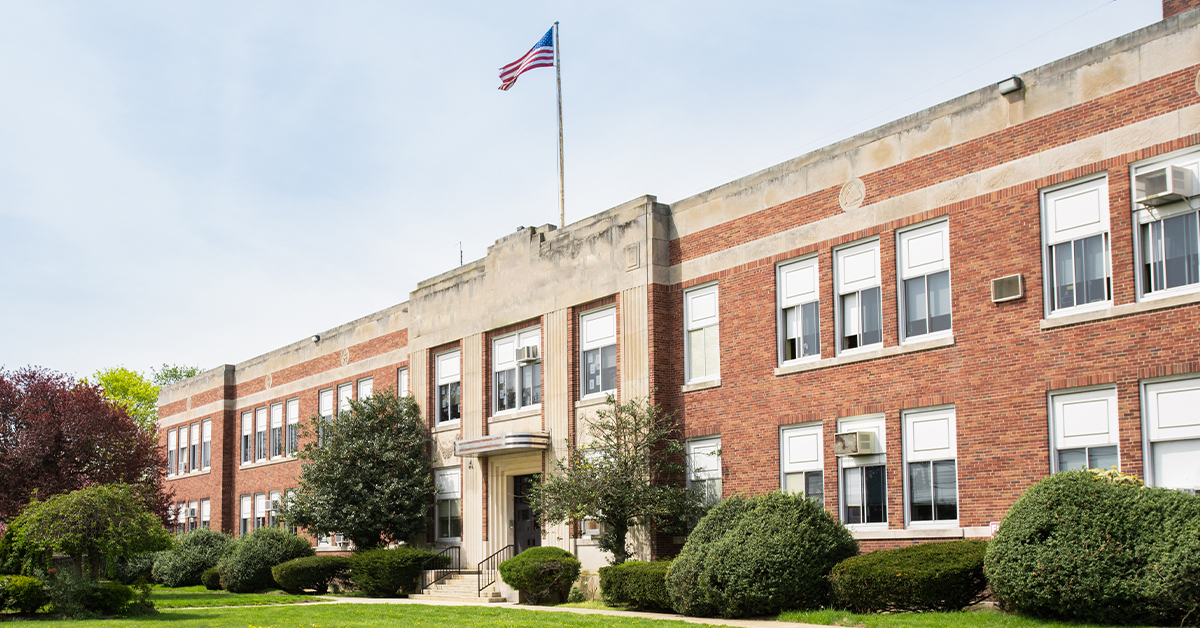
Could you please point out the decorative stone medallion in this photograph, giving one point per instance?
(853, 193)
(269, 380)
(345, 357)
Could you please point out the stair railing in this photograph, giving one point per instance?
(490, 566)
(431, 571)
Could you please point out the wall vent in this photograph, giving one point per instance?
(1007, 288)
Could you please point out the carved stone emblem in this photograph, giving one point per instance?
(853, 193)
(633, 257)
(345, 357)
(446, 450)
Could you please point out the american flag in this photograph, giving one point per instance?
(540, 56)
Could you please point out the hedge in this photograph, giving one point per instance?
(108, 598)
(22, 593)
(941, 576)
(128, 570)
(247, 566)
(311, 572)
(194, 552)
(1095, 546)
(386, 572)
(758, 556)
(637, 584)
(211, 579)
(543, 574)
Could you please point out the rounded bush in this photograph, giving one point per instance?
(638, 584)
(1095, 546)
(24, 594)
(386, 572)
(108, 598)
(128, 570)
(247, 567)
(942, 576)
(757, 556)
(313, 572)
(543, 574)
(194, 552)
(211, 579)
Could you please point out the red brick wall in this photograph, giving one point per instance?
(1175, 7)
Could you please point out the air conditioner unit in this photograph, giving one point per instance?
(528, 354)
(854, 444)
(1165, 185)
(1008, 288)
(192, 513)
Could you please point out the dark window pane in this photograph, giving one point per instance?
(850, 321)
(1064, 276)
(591, 371)
(454, 402)
(791, 333)
(1152, 271)
(1102, 457)
(920, 491)
(443, 403)
(811, 329)
(939, 301)
(1072, 459)
(1180, 250)
(1079, 272)
(945, 490)
(875, 492)
(814, 486)
(531, 384)
(853, 514)
(915, 313)
(872, 317)
(1095, 273)
(608, 368)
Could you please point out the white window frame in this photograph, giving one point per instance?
(193, 521)
(366, 387)
(1178, 432)
(402, 381)
(801, 452)
(922, 428)
(205, 512)
(182, 460)
(172, 452)
(1061, 436)
(260, 510)
(597, 332)
(1189, 159)
(702, 311)
(247, 441)
(927, 235)
(1052, 235)
(276, 445)
(345, 394)
(325, 404)
(448, 482)
(246, 513)
(876, 423)
(181, 517)
(849, 268)
(504, 357)
(704, 465)
(447, 371)
(261, 434)
(273, 499)
(293, 427)
(206, 444)
(194, 447)
(797, 284)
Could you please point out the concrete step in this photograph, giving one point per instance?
(455, 598)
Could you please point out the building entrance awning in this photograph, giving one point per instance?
(505, 443)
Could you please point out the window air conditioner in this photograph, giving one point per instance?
(192, 513)
(1164, 185)
(854, 444)
(1007, 288)
(525, 355)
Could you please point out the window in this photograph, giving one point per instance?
(247, 437)
(449, 503)
(703, 346)
(598, 347)
(260, 434)
(181, 517)
(1174, 432)
(864, 478)
(704, 468)
(273, 508)
(205, 512)
(860, 310)
(345, 396)
(194, 448)
(193, 515)
(448, 408)
(293, 426)
(1076, 228)
(1085, 429)
(930, 451)
(288, 496)
(517, 382)
(803, 461)
(206, 444)
(183, 450)
(365, 387)
(260, 510)
(402, 382)
(247, 514)
(1168, 238)
(276, 431)
(799, 314)
(925, 279)
(325, 410)
(172, 443)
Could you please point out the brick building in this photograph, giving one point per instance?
(970, 298)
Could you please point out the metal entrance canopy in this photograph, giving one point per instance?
(506, 443)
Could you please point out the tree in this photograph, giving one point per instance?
(370, 477)
(92, 525)
(139, 394)
(58, 434)
(629, 474)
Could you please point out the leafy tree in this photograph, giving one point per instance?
(139, 394)
(92, 525)
(628, 475)
(370, 477)
(58, 434)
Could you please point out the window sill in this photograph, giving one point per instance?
(516, 415)
(267, 463)
(704, 385)
(595, 400)
(910, 533)
(886, 352)
(448, 426)
(1115, 311)
(192, 474)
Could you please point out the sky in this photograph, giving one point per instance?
(201, 182)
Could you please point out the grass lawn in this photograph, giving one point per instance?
(364, 615)
(983, 618)
(182, 597)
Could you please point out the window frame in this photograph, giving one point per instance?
(292, 431)
(599, 343)
(247, 440)
(904, 273)
(194, 447)
(1058, 436)
(1141, 216)
(440, 480)
(786, 299)
(447, 379)
(261, 434)
(205, 512)
(789, 441)
(260, 510)
(1051, 236)
(844, 288)
(909, 419)
(531, 336)
(181, 459)
(402, 381)
(172, 447)
(276, 438)
(864, 423)
(1153, 433)
(206, 444)
(245, 514)
(710, 446)
(365, 388)
(705, 322)
(326, 402)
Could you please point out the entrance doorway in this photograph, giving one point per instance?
(525, 526)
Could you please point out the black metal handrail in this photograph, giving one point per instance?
(430, 577)
(490, 565)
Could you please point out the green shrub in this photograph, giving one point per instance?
(247, 566)
(943, 576)
(758, 556)
(576, 595)
(1096, 547)
(313, 572)
(23, 593)
(384, 572)
(543, 574)
(194, 552)
(108, 598)
(637, 584)
(17, 559)
(128, 570)
(211, 579)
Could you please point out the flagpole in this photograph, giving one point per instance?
(562, 199)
